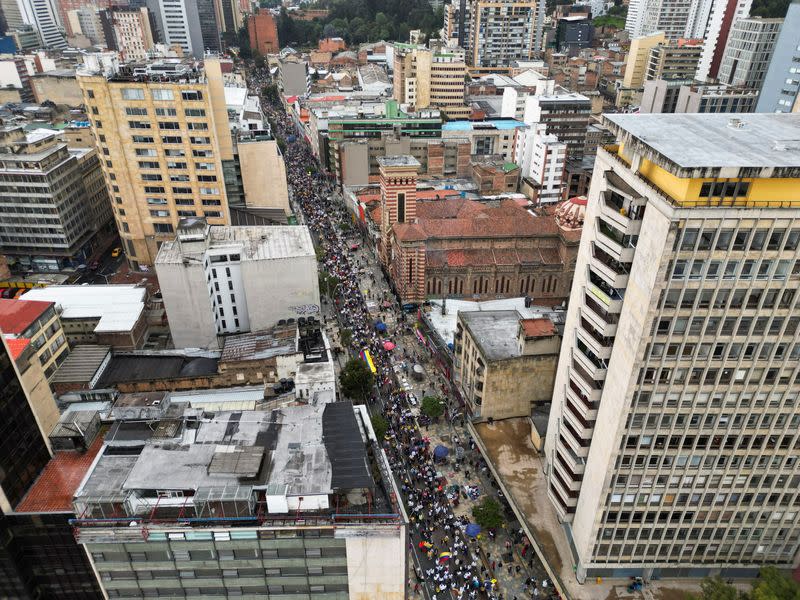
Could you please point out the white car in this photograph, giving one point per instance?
(412, 399)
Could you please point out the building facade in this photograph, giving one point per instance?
(543, 160)
(38, 322)
(781, 88)
(190, 24)
(223, 280)
(721, 16)
(263, 33)
(670, 447)
(748, 52)
(52, 225)
(294, 76)
(565, 115)
(426, 78)
(674, 60)
(164, 138)
(128, 31)
(698, 98)
(504, 31)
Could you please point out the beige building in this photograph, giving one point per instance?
(59, 86)
(671, 449)
(263, 175)
(128, 31)
(38, 322)
(426, 78)
(636, 67)
(505, 364)
(164, 137)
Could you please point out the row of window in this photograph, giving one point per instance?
(748, 269)
(173, 153)
(712, 421)
(738, 240)
(739, 326)
(156, 94)
(135, 111)
(719, 376)
(170, 139)
(702, 352)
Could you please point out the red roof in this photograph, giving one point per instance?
(17, 315)
(56, 486)
(538, 327)
(17, 346)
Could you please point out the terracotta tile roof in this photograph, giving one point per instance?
(55, 487)
(16, 346)
(538, 327)
(17, 315)
(482, 257)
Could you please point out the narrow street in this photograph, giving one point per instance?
(447, 562)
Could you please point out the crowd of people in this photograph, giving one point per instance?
(449, 564)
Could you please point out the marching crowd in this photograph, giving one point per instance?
(450, 564)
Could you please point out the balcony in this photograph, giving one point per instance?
(618, 244)
(604, 323)
(566, 469)
(609, 297)
(580, 425)
(600, 346)
(594, 366)
(566, 489)
(613, 271)
(585, 380)
(590, 401)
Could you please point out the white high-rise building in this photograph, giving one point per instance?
(715, 37)
(673, 17)
(41, 14)
(543, 161)
(671, 448)
(781, 89)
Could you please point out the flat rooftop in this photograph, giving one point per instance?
(500, 124)
(715, 140)
(495, 332)
(117, 307)
(53, 490)
(136, 367)
(403, 160)
(269, 242)
(260, 345)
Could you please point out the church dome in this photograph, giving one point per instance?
(571, 212)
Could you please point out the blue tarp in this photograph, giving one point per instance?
(380, 326)
(473, 529)
(440, 451)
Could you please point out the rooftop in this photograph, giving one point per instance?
(542, 327)
(16, 346)
(17, 315)
(403, 160)
(55, 487)
(82, 364)
(252, 243)
(260, 345)
(501, 124)
(760, 140)
(117, 307)
(494, 332)
(135, 367)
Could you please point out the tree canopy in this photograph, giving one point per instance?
(359, 21)
(488, 514)
(356, 380)
(770, 585)
(770, 8)
(380, 425)
(432, 406)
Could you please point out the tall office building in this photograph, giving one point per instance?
(781, 89)
(504, 31)
(671, 447)
(128, 31)
(457, 24)
(41, 14)
(673, 60)
(164, 137)
(672, 17)
(636, 65)
(190, 24)
(229, 15)
(721, 17)
(52, 225)
(429, 77)
(750, 45)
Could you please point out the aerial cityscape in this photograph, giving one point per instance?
(400, 299)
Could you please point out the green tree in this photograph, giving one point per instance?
(773, 585)
(327, 283)
(488, 514)
(432, 407)
(714, 588)
(380, 425)
(356, 380)
(347, 337)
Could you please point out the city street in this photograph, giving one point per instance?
(447, 562)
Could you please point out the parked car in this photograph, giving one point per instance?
(116, 252)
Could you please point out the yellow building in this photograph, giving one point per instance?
(263, 175)
(636, 67)
(426, 78)
(163, 137)
(38, 322)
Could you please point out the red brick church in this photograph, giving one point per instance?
(461, 248)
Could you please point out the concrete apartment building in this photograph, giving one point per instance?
(722, 14)
(673, 60)
(493, 137)
(504, 31)
(565, 115)
(747, 55)
(698, 98)
(543, 159)
(671, 446)
(52, 225)
(674, 18)
(263, 175)
(636, 66)
(781, 89)
(293, 502)
(430, 77)
(39, 323)
(191, 24)
(223, 280)
(164, 137)
(294, 76)
(504, 364)
(128, 31)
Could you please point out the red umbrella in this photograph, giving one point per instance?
(388, 345)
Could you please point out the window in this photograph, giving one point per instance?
(166, 112)
(154, 189)
(200, 140)
(138, 124)
(157, 201)
(169, 125)
(192, 95)
(151, 176)
(198, 126)
(133, 94)
(143, 139)
(135, 112)
(174, 153)
(149, 164)
(172, 139)
(159, 213)
(162, 94)
(90, 94)
(194, 112)
(163, 228)
(145, 152)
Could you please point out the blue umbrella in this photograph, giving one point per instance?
(472, 530)
(440, 451)
(380, 326)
